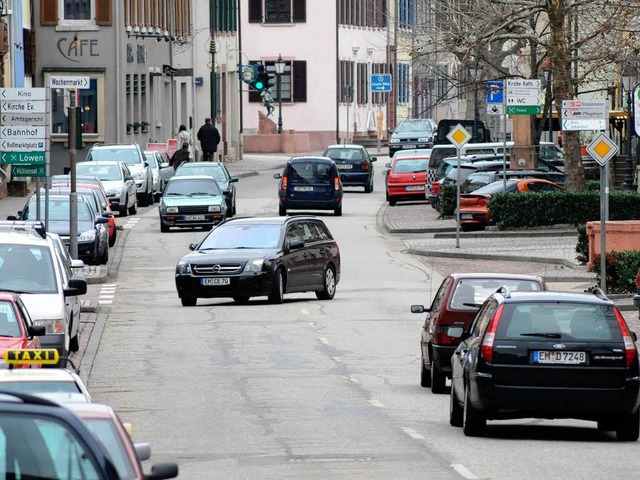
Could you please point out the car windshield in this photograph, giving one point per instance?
(59, 210)
(470, 293)
(421, 125)
(9, 326)
(34, 386)
(309, 171)
(102, 172)
(126, 155)
(107, 432)
(231, 236)
(498, 187)
(151, 159)
(344, 154)
(437, 154)
(36, 447)
(27, 268)
(214, 171)
(193, 187)
(413, 165)
(566, 320)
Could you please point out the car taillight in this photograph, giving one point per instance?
(284, 183)
(336, 184)
(364, 166)
(440, 337)
(435, 187)
(482, 201)
(490, 336)
(629, 345)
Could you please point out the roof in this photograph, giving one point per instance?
(490, 275)
(314, 158)
(268, 220)
(200, 164)
(100, 162)
(178, 178)
(547, 296)
(345, 146)
(8, 296)
(112, 145)
(92, 410)
(37, 375)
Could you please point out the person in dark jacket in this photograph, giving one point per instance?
(209, 139)
(180, 156)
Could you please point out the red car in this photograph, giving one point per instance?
(16, 328)
(455, 304)
(406, 178)
(474, 212)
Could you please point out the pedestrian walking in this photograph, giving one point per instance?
(185, 137)
(180, 156)
(209, 138)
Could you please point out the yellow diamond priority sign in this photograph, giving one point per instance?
(602, 148)
(459, 136)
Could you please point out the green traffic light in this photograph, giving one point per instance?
(259, 85)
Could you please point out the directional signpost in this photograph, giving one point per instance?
(602, 148)
(380, 82)
(523, 96)
(578, 115)
(458, 136)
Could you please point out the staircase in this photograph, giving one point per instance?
(368, 139)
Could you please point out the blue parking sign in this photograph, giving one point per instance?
(495, 91)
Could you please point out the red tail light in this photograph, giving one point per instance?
(490, 336)
(285, 181)
(337, 185)
(482, 201)
(364, 166)
(440, 337)
(435, 187)
(629, 345)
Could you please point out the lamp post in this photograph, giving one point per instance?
(547, 71)
(476, 73)
(280, 64)
(628, 176)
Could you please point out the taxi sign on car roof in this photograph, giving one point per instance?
(27, 356)
(459, 136)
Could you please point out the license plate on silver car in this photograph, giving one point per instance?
(193, 218)
(214, 282)
(559, 357)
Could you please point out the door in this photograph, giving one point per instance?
(313, 256)
(294, 259)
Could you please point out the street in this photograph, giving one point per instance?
(306, 389)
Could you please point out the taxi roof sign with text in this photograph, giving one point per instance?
(40, 356)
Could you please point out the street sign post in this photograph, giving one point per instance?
(523, 96)
(602, 148)
(23, 158)
(22, 94)
(70, 82)
(578, 115)
(495, 91)
(29, 171)
(33, 119)
(19, 106)
(495, 109)
(458, 136)
(380, 82)
(636, 109)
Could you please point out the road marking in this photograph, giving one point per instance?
(464, 471)
(323, 340)
(107, 292)
(376, 403)
(131, 223)
(412, 433)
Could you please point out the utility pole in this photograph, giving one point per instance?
(73, 198)
(212, 50)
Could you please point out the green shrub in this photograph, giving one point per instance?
(620, 270)
(448, 200)
(592, 185)
(582, 247)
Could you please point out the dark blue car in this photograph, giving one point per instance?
(354, 165)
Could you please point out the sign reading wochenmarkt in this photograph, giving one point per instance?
(72, 83)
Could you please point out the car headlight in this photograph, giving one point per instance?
(172, 209)
(214, 208)
(87, 236)
(183, 268)
(424, 139)
(394, 140)
(50, 326)
(138, 175)
(254, 265)
(114, 191)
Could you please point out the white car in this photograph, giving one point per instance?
(131, 155)
(117, 181)
(30, 264)
(161, 171)
(58, 384)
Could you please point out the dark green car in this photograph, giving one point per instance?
(218, 171)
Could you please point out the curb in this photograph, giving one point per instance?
(92, 348)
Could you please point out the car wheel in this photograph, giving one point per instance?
(112, 238)
(104, 258)
(473, 424)
(338, 211)
(164, 227)
(124, 211)
(189, 301)
(628, 429)
(282, 211)
(465, 227)
(438, 379)
(392, 202)
(425, 375)
(456, 413)
(134, 208)
(241, 299)
(329, 285)
(278, 289)
(233, 210)
(368, 187)
(150, 198)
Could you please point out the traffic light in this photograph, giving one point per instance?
(260, 78)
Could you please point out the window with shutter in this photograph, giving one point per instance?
(48, 12)
(103, 12)
(255, 11)
(299, 81)
(300, 11)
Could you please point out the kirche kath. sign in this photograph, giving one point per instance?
(523, 96)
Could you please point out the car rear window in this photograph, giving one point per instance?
(308, 171)
(129, 156)
(469, 293)
(413, 165)
(567, 320)
(344, 154)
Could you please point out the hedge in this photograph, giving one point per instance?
(620, 270)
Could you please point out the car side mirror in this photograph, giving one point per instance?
(37, 330)
(296, 244)
(164, 165)
(12, 217)
(385, 172)
(160, 471)
(418, 309)
(76, 263)
(455, 332)
(233, 179)
(388, 165)
(634, 336)
(277, 176)
(143, 450)
(128, 177)
(107, 214)
(100, 220)
(374, 159)
(77, 286)
(193, 246)
(146, 164)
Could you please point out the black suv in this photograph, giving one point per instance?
(546, 355)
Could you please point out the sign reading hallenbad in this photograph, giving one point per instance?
(23, 132)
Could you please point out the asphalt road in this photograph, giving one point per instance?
(307, 389)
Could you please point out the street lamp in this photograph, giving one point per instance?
(628, 176)
(280, 64)
(547, 70)
(476, 73)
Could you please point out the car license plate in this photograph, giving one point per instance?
(345, 166)
(216, 281)
(193, 218)
(560, 358)
(414, 188)
(409, 145)
(303, 189)
(466, 216)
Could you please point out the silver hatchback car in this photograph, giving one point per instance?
(118, 183)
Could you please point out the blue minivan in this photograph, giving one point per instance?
(310, 183)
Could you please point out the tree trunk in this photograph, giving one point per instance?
(560, 67)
